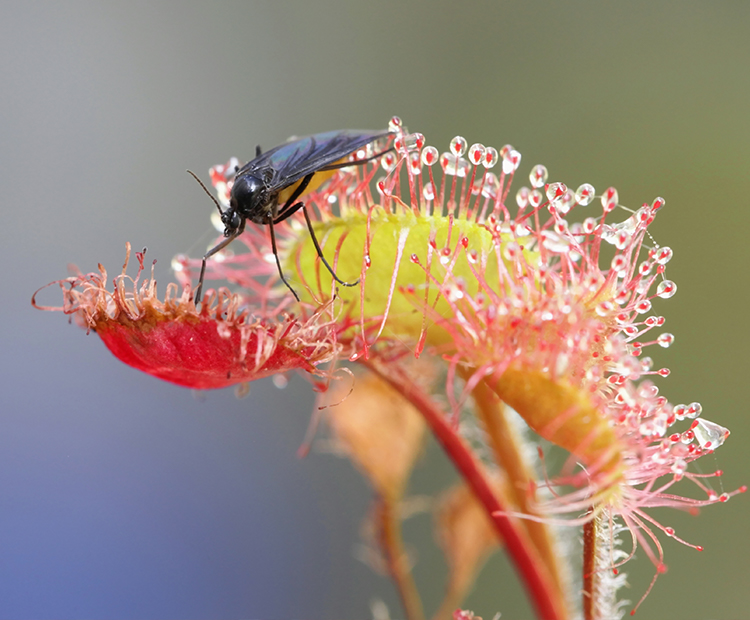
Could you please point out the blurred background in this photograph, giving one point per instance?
(125, 497)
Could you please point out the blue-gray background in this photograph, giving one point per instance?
(125, 497)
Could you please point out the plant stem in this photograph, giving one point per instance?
(507, 447)
(392, 544)
(589, 569)
(534, 573)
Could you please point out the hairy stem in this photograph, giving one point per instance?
(507, 448)
(533, 572)
(589, 569)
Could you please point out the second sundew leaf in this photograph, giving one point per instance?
(404, 244)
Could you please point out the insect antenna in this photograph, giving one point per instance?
(210, 195)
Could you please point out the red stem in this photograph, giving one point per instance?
(534, 574)
(589, 568)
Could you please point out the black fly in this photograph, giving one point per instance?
(267, 189)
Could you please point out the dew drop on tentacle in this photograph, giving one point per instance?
(476, 153)
(609, 199)
(429, 156)
(585, 194)
(657, 204)
(410, 143)
(642, 307)
(555, 191)
(522, 198)
(536, 198)
(511, 160)
(665, 340)
(666, 289)
(458, 146)
(566, 201)
(280, 381)
(415, 164)
(538, 176)
(388, 161)
(180, 262)
(490, 157)
(709, 434)
(663, 255)
(589, 225)
(453, 165)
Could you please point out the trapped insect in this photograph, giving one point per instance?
(267, 189)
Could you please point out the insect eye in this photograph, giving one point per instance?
(231, 220)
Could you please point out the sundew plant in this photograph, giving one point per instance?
(506, 323)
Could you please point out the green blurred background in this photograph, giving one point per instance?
(125, 497)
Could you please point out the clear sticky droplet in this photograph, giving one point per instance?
(665, 340)
(605, 308)
(454, 166)
(490, 157)
(693, 410)
(555, 191)
(610, 199)
(476, 153)
(428, 191)
(619, 265)
(663, 255)
(536, 198)
(388, 161)
(511, 161)
(416, 140)
(429, 156)
(678, 468)
(679, 412)
(179, 262)
(538, 176)
(658, 204)
(280, 381)
(489, 185)
(522, 197)
(589, 225)
(666, 289)
(415, 163)
(458, 146)
(511, 251)
(242, 389)
(554, 242)
(585, 194)
(395, 124)
(566, 201)
(709, 434)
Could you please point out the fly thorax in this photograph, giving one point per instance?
(249, 199)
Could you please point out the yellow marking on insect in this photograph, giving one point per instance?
(318, 179)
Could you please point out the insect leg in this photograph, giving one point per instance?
(289, 206)
(269, 221)
(291, 211)
(209, 254)
(320, 252)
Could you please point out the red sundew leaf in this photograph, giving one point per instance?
(219, 345)
(195, 355)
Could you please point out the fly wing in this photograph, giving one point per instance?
(294, 160)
